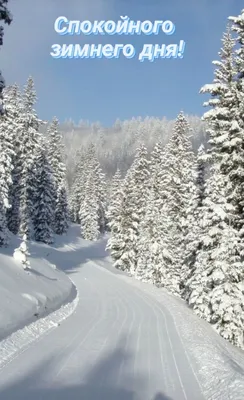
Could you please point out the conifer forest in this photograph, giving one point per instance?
(168, 195)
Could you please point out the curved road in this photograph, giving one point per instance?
(118, 345)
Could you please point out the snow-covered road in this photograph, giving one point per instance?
(117, 345)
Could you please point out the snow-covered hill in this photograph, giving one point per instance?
(27, 295)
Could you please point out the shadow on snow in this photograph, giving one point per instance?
(97, 384)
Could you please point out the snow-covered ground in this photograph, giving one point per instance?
(28, 295)
(125, 340)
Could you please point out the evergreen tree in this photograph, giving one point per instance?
(56, 153)
(238, 28)
(154, 245)
(193, 219)
(131, 209)
(114, 197)
(89, 210)
(101, 197)
(235, 149)
(222, 116)
(123, 240)
(29, 148)
(225, 126)
(148, 269)
(156, 159)
(26, 222)
(90, 167)
(56, 161)
(138, 178)
(43, 209)
(78, 189)
(176, 186)
(7, 127)
(61, 212)
(201, 175)
(6, 168)
(6, 17)
(215, 288)
(15, 122)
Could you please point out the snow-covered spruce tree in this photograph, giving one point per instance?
(114, 215)
(56, 152)
(176, 187)
(238, 28)
(114, 197)
(154, 259)
(223, 92)
(28, 151)
(56, 161)
(124, 239)
(25, 161)
(236, 142)
(6, 17)
(44, 198)
(200, 175)
(124, 230)
(26, 222)
(21, 254)
(149, 227)
(92, 168)
(61, 211)
(89, 210)
(157, 168)
(15, 127)
(100, 185)
(78, 188)
(156, 158)
(193, 218)
(215, 290)
(223, 101)
(226, 127)
(7, 132)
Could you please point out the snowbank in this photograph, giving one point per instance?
(25, 295)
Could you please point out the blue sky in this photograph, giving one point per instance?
(106, 89)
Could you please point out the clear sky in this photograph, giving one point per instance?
(106, 89)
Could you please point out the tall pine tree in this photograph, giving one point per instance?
(6, 17)
(131, 209)
(29, 148)
(56, 161)
(215, 287)
(78, 188)
(44, 198)
(176, 187)
(15, 120)
(89, 217)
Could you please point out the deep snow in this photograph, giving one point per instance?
(124, 340)
(26, 295)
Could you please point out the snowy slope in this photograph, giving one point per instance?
(25, 296)
(126, 340)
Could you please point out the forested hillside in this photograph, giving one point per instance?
(169, 193)
(116, 146)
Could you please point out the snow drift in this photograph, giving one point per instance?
(26, 295)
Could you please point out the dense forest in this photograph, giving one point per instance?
(169, 194)
(116, 146)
